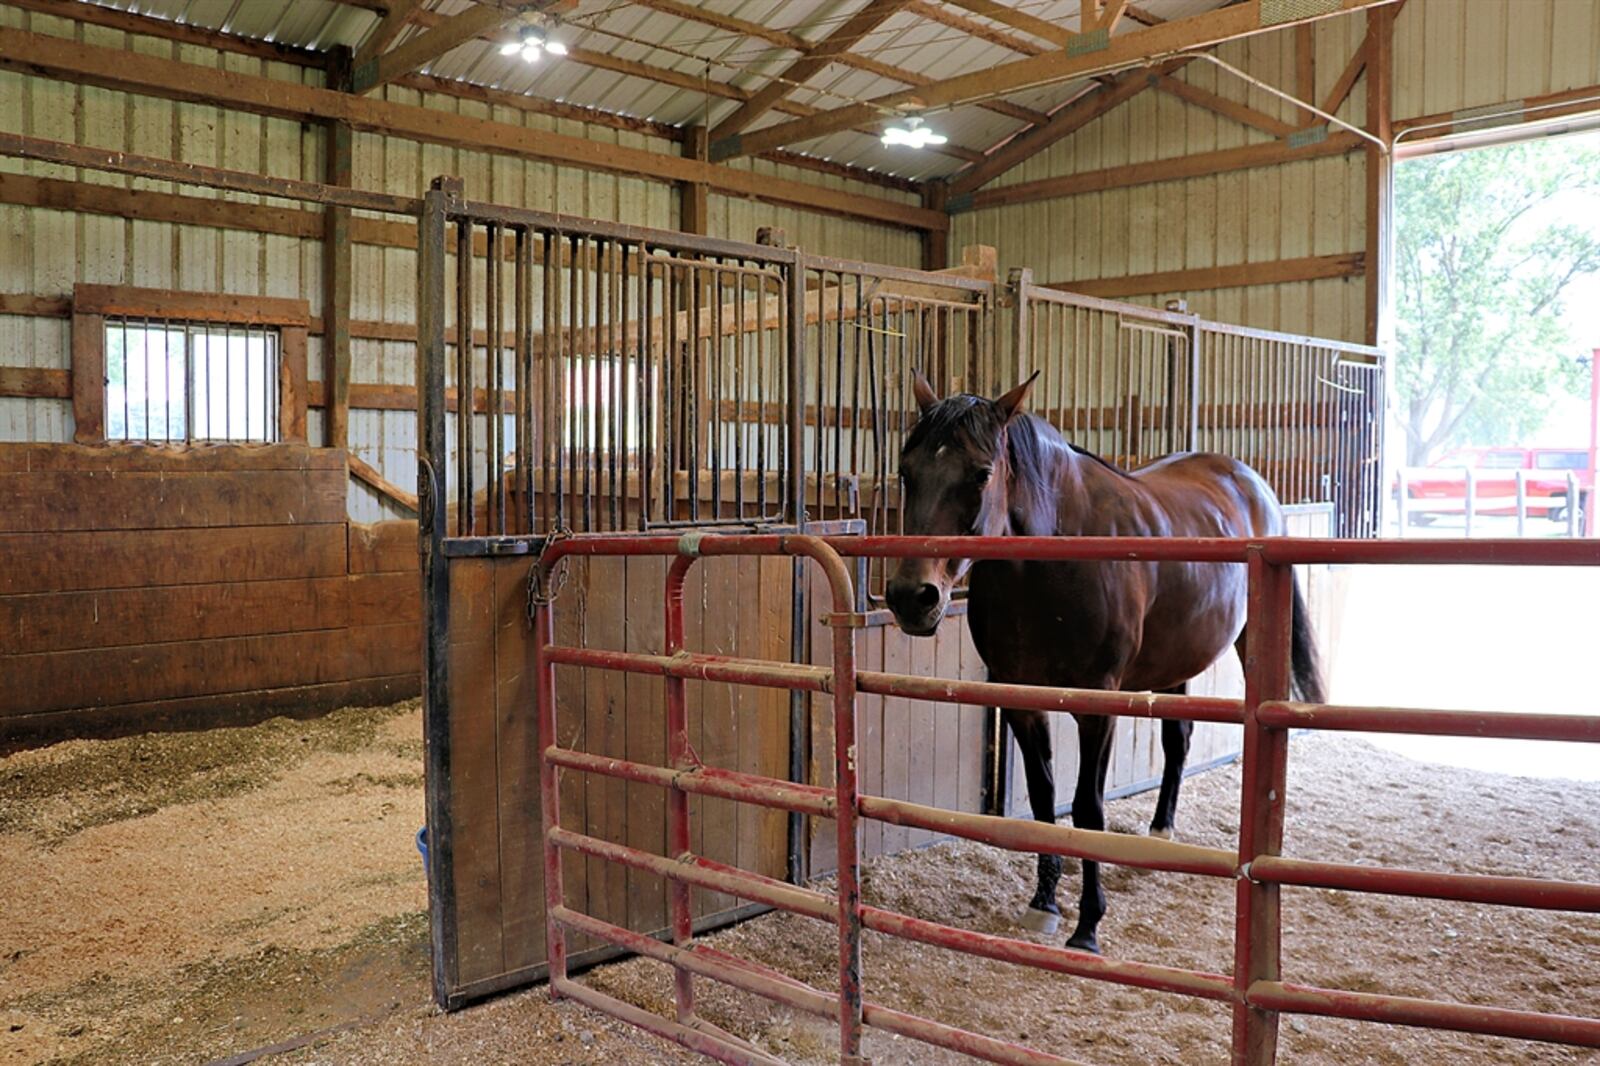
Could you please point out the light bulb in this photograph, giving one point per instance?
(555, 48)
(511, 48)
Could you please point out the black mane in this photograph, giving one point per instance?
(974, 420)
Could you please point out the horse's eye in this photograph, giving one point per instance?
(980, 476)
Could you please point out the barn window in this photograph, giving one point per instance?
(190, 381)
(158, 366)
(602, 403)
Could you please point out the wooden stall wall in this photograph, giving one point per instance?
(732, 607)
(146, 588)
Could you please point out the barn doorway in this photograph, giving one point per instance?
(1497, 299)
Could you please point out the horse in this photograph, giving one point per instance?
(971, 465)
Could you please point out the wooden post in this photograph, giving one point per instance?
(1380, 199)
(935, 242)
(336, 271)
(89, 378)
(692, 199)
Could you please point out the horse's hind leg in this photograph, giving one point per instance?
(1032, 730)
(1175, 736)
(1089, 812)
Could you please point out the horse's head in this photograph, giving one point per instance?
(954, 482)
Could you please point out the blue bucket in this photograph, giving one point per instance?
(422, 847)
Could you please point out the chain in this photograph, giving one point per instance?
(545, 585)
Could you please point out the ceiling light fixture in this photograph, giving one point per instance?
(532, 43)
(913, 134)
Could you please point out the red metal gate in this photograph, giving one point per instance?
(1255, 991)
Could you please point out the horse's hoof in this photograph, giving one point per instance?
(1084, 942)
(1040, 921)
(1162, 834)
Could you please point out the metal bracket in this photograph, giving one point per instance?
(545, 585)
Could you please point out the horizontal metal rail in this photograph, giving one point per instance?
(1425, 1013)
(1530, 892)
(1255, 990)
(1277, 551)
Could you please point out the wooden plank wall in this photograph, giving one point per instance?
(732, 607)
(152, 588)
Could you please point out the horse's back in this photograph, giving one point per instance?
(1208, 494)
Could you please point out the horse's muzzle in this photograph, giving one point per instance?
(918, 606)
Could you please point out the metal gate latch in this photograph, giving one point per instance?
(545, 585)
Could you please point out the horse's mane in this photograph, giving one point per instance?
(974, 420)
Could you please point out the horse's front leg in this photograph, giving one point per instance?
(1175, 736)
(1089, 812)
(1032, 730)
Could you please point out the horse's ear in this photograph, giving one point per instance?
(924, 393)
(1012, 401)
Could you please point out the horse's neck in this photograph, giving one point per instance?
(1088, 499)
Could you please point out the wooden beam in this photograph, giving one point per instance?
(1200, 165)
(168, 29)
(1305, 63)
(366, 473)
(1528, 109)
(935, 244)
(424, 48)
(934, 12)
(1309, 268)
(463, 90)
(1198, 31)
(338, 158)
(122, 70)
(1380, 190)
(383, 34)
(1017, 20)
(847, 33)
(692, 212)
(1221, 105)
(35, 382)
(1340, 91)
(1071, 118)
(1113, 14)
(695, 13)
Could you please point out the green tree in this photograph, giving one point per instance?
(1487, 243)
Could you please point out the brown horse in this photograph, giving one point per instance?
(977, 466)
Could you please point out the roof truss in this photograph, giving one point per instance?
(1169, 38)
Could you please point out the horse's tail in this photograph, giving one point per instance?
(1303, 658)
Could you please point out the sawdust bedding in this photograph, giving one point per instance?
(181, 898)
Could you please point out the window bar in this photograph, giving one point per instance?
(714, 356)
(693, 385)
(646, 384)
(762, 370)
(463, 377)
(599, 372)
(838, 394)
(862, 323)
(590, 339)
(616, 366)
(491, 373)
(741, 424)
(572, 376)
(556, 412)
(520, 372)
(671, 372)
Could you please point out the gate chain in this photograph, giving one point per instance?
(543, 585)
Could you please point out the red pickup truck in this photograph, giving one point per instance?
(1494, 479)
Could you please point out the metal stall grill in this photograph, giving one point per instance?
(1255, 992)
(620, 377)
(1134, 383)
(867, 329)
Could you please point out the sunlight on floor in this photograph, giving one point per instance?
(1474, 638)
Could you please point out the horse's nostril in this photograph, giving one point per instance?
(928, 596)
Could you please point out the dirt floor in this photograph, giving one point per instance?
(185, 898)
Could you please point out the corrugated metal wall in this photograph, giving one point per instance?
(47, 251)
(1449, 54)
(1302, 209)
